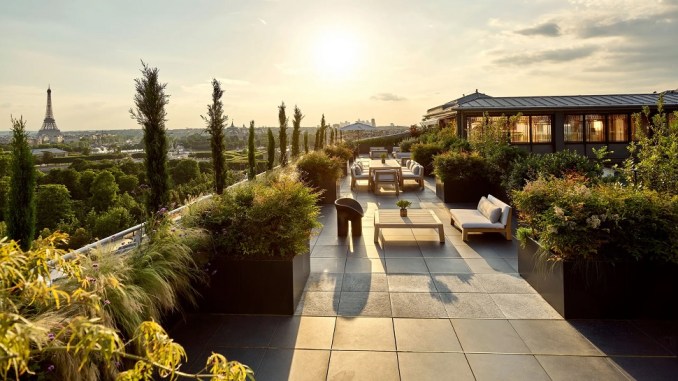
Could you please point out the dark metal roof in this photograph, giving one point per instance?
(563, 101)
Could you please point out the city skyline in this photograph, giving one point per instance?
(384, 60)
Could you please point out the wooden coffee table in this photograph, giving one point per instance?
(416, 218)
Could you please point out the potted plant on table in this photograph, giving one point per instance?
(383, 158)
(599, 250)
(257, 244)
(403, 204)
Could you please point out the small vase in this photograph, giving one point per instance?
(383, 161)
(403, 212)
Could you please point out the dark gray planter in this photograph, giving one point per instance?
(256, 286)
(330, 190)
(602, 290)
(466, 190)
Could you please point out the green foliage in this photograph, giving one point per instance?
(406, 144)
(104, 191)
(185, 171)
(268, 217)
(216, 121)
(150, 101)
(5, 182)
(111, 221)
(423, 154)
(340, 151)
(128, 183)
(20, 215)
(53, 202)
(403, 204)
(451, 166)
(305, 141)
(251, 162)
(271, 149)
(363, 145)
(5, 164)
(316, 167)
(654, 157)
(576, 220)
(558, 164)
(296, 123)
(282, 118)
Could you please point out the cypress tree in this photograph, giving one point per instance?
(271, 149)
(323, 127)
(282, 118)
(306, 141)
(216, 121)
(332, 136)
(150, 101)
(316, 143)
(251, 173)
(20, 216)
(296, 123)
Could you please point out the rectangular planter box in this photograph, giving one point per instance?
(331, 192)
(462, 190)
(602, 290)
(271, 287)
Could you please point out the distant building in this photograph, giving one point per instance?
(49, 132)
(40, 152)
(555, 123)
(374, 124)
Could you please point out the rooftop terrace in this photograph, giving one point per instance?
(410, 308)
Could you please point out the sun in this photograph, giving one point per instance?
(337, 54)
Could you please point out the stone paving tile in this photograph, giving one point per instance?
(406, 266)
(329, 251)
(244, 331)
(406, 250)
(365, 304)
(324, 281)
(664, 331)
(434, 367)
(366, 252)
(525, 306)
(504, 284)
(457, 283)
(496, 336)
(364, 333)
(619, 337)
(410, 283)
(417, 305)
(436, 250)
(553, 337)
(655, 369)
(490, 367)
(489, 265)
(252, 357)
(447, 266)
(304, 332)
(470, 306)
(365, 265)
(318, 303)
(363, 366)
(364, 282)
(328, 265)
(425, 335)
(564, 368)
(297, 365)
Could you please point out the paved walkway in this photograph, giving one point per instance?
(410, 308)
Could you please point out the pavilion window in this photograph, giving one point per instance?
(574, 129)
(640, 125)
(595, 128)
(541, 128)
(520, 130)
(474, 125)
(618, 128)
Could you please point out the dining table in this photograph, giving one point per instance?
(377, 164)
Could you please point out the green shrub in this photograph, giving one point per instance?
(406, 144)
(451, 166)
(316, 167)
(574, 220)
(423, 154)
(269, 217)
(558, 164)
(340, 151)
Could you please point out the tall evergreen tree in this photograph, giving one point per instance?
(251, 173)
(323, 128)
(296, 123)
(316, 143)
(331, 136)
(282, 118)
(216, 122)
(20, 216)
(150, 101)
(271, 149)
(306, 141)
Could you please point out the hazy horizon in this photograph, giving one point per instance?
(387, 60)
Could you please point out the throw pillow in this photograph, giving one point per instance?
(489, 210)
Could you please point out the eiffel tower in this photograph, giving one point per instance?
(49, 132)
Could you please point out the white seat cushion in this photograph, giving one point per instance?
(471, 218)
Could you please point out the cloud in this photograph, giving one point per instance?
(388, 97)
(555, 55)
(549, 29)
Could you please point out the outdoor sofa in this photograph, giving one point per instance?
(491, 215)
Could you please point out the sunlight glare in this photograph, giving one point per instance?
(337, 54)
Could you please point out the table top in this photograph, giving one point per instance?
(390, 164)
(415, 218)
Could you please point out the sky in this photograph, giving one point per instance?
(351, 59)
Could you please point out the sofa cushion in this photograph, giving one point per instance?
(409, 164)
(357, 170)
(471, 218)
(489, 210)
(505, 209)
(416, 170)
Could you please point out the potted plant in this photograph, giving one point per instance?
(403, 204)
(257, 244)
(599, 250)
(383, 158)
(321, 172)
(342, 152)
(461, 177)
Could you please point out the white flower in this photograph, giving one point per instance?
(593, 222)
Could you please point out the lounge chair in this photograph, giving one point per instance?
(385, 176)
(357, 173)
